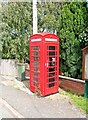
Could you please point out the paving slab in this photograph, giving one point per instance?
(4, 112)
(31, 106)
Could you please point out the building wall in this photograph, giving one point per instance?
(8, 67)
(71, 84)
(66, 83)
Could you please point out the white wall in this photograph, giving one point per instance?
(8, 67)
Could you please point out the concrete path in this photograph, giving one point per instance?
(7, 111)
(4, 112)
(29, 105)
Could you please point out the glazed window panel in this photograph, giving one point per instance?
(51, 74)
(36, 53)
(51, 85)
(35, 79)
(35, 63)
(36, 69)
(36, 58)
(36, 48)
(36, 74)
(51, 79)
(51, 47)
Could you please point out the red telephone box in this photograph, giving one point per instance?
(44, 63)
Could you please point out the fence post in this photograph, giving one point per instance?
(86, 90)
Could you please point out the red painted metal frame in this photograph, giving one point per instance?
(43, 79)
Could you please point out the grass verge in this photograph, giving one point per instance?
(78, 100)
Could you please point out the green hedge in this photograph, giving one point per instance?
(68, 19)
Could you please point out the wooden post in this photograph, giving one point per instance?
(85, 70)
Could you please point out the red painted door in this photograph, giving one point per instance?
(35, 67)
(51, 68)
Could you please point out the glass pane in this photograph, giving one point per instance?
(36, 63)
(51, 85)
(51, 74)
(52, 59)
(36, 53)
(51, 47)
(51, 79)
(51, 69)
(36, 69)
(36, 48)
(36, 58)
(36, 74)
(51, 53)
(52, 63)
(36, 79)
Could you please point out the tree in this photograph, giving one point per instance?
(49, 16)
(16, 24)
(68, 19)
(74, 21)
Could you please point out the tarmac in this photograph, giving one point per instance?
(22, 103)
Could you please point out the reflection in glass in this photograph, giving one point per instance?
(36, 48)
(36, 69)
(51, 85)
(51, 47)
(35, 63)
(51, 79)
(35, 79)
(36, 53)
(51, 74)
(51, 53)
(36, 74)
(36, 58)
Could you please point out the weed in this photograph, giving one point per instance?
(78, 100)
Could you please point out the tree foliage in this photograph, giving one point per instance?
(49, 17)
(70, 22)
(16, 29)
(73, 37)
(68, 19)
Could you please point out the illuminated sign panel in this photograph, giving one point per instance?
(50, 39)
(34, 40)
